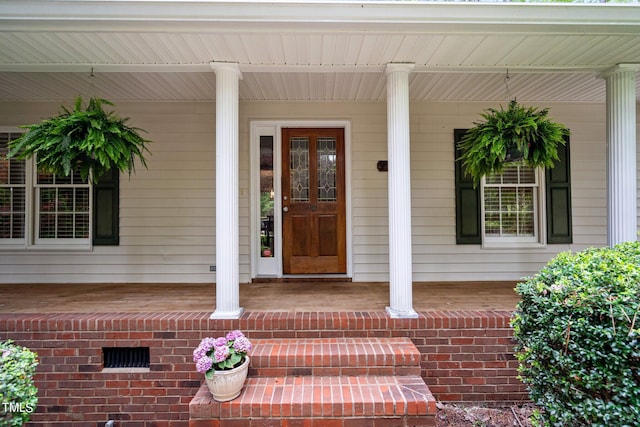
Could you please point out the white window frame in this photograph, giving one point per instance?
(31, 240)
(58, 242)
(538, 240)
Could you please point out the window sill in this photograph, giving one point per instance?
(513, 245)
(59, 247)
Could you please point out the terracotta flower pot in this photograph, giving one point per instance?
(227, 385)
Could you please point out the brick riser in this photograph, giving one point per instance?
(323, 395)
(333, 357)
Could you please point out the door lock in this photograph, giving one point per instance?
(285, 209)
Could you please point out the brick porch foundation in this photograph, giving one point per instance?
(465, 357)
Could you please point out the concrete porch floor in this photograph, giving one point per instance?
(310, 296)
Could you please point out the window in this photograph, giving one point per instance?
(267, 195)
(12, 194)
(511, 203)
(520, 206)
(39, 209)
(62, 208)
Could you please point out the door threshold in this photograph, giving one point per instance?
(302, 278)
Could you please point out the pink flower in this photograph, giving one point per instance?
(221, 354)
(242, 344)
(204, 364)
(234, 335)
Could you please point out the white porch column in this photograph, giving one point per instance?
(227, 183)
(621, 154)
(398, 143)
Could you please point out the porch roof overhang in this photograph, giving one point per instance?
(154, 50)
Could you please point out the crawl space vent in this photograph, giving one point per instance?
(126, 357)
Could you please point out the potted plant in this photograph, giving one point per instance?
(515, 134)
(224, 363)
(89, 140)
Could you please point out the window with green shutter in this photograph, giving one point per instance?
(60, 207)
(510, 203)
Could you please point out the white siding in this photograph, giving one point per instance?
(167, 222)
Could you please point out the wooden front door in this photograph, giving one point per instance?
(313, 190)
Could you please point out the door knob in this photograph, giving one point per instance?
(285, 209)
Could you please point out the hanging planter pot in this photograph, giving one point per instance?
(515, 134)
(89, 140)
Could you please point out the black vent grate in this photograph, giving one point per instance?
(126, 357)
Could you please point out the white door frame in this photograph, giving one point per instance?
(272, 267)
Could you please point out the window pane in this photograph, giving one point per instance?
(65, 200)
(492, 223)
(326, 148)
(47, 229)
(299, 168)
(508, 208)
(527, 175)
(45, 177)
(510, 174)
(48, 200)
(65, 226)
(82, 226)
(82, 200)
(266, 197)
(17, 171)
(493, 179)
(526, 225)
(62, 179)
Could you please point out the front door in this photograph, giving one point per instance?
(313, 201)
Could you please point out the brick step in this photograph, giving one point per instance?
(334, 356)
(328, 401)
(328, 382)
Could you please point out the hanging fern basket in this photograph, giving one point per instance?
(515, 134)
(86, 139)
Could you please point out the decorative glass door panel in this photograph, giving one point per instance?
(327, 191)
(313, 202)
(267, 194)
(299, 168)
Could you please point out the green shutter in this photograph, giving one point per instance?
(558, 182)
(468, 225)
(106, 197)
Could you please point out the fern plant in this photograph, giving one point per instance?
(517, 133)
(89, 140)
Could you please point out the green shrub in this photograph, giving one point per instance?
(577, 328)
(18, 394)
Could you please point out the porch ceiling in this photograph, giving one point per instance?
(161, 50)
